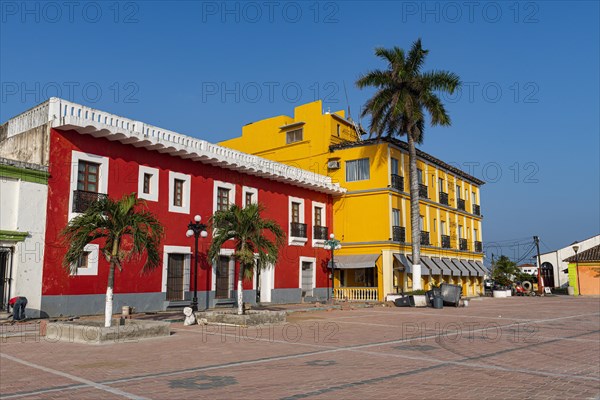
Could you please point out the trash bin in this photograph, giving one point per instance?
(431, 294)
(438, 302)
(406, 301)
(451, 294)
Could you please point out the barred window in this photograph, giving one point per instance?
(222, 199)
(294, 136)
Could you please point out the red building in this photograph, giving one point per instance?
(90, 153)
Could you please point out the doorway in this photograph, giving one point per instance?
(222, 283)
(175, 275)
(307, 276)
(5, 261)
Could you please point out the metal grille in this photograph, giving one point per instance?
(445, 241)
(298, 229)
(83, 199)
(463, 245)
(444, 198)
(399, 233)
(398, 182)
(222, 283)
(423, 191)
(320, 232)
(478, 247)
(476, 209)
(175, 277)
(424, 238)
(460, 204)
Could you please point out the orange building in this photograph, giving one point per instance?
(584, 270)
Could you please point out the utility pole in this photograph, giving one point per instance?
(493, 265)
(539, 265)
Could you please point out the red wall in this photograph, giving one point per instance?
(123, 179)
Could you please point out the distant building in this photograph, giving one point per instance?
(528, 269)
(555, 268)
(584, 270)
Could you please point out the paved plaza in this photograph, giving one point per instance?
(519, 348)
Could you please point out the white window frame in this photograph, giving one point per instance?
(315, 204)
(356, 161)
(248, 189)
(292, 240)
(312, 260)
(185, 206)
(92, 261)
(187, 255)
(295, 132)
(103, 162)
(153, 195)
(223, 185)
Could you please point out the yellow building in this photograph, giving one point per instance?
(372, 219)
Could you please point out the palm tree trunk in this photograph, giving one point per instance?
(109, 296)
(240, 292)
(414, 214)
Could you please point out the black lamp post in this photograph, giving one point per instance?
(196, 229)
(332, 244)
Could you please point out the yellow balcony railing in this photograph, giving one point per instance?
(356, 294)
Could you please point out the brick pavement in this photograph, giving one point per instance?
(496, 348)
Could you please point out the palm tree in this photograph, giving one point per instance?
(247, 229)
(113, 223)
(404, 96)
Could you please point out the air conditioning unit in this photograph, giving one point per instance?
(333, 164)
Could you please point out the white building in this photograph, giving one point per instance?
(553, 264)
(23, 196)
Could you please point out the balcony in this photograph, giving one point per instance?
(423, 191)
(83, 199)
(320, 233)
(462, 244)
(476, 209)
(444, 198)
(460, 204)
(424, 238)
(298, 229)
(398, 182)
(478, 247)
(356, 294)
(445, 241)
(399, 234)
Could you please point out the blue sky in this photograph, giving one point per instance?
(527, 120)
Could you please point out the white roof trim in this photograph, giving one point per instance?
(64, 114)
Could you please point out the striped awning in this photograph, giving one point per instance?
(405, 265)
(455, 270)
(479, 266)
(355, 261)
(464, 271)
(424, 269)
(433, 268)
(472, 271)
(445, 269)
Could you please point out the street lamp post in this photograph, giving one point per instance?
(332, 244)
(575, 248)
(196, 229)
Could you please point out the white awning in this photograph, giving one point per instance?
(355, 261)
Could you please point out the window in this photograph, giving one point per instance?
(460, 231)
(87, 176)
(443, 227)
(458, 191)
(148, 183)
(421, 222)
(475, 235)
(249, 195)
(318, 216)
(420, 175)
(395, 166)
(395, 217)
(441, 184)
(338, 130)
(295, 212)
(294, 136)
(83, 260)
(147, 178)
(473, 198)
(178, 192)
(222, 199)
(357, 170)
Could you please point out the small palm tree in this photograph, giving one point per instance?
(404, 96)
(247, 229)
(113, 222)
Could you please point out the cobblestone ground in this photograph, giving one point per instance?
(516, 348)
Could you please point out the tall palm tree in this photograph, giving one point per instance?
(112, 223)
(247, 229)
(405, 95)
